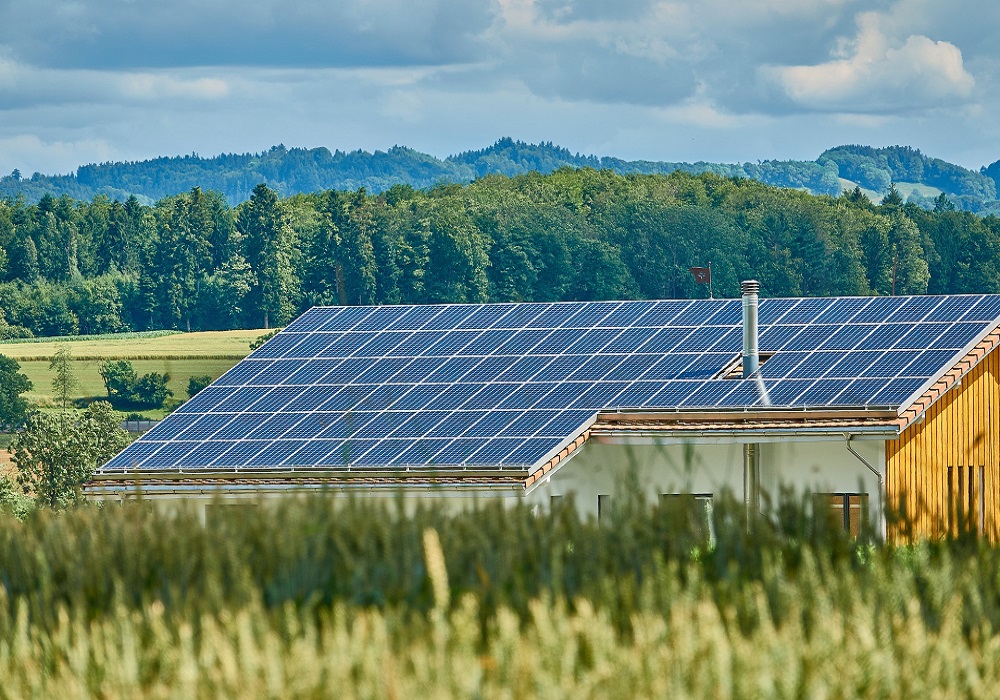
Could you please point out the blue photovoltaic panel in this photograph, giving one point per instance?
(843, 310)
(663, 314)
(915, 309)
(770, 310)
(346, 319)
(314, 453)
(566, 423)
(952, 309)
(505, 384)
(528, 423)
(774, 338)
(627, 314)
(986, 309)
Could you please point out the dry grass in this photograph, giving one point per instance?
(207, 344)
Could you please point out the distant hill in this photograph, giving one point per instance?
(296, 170)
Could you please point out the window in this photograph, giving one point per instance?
(848, 510)
(966, 499)
(603, 505)
(696, 508)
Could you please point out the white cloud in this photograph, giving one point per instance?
(52, 156)
(875, 73)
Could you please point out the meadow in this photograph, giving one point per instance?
(181, 355)
(322, 597)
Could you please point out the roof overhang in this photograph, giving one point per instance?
(286, 482)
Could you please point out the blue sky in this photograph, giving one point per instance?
(719, 80)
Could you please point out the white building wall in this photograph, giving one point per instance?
(709, 468)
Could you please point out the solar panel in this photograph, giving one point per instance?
(505, 384)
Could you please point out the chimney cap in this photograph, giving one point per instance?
(750, 287)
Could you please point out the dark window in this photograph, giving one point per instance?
(692, 511)
(603, 506)
(847, 510)
(966, 499)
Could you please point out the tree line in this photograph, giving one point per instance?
(292, 171)
(192, 262)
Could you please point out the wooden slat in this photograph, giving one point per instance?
(960, 429)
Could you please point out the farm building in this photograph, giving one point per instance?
(864, 401)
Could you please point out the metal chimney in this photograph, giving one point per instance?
(751, 351)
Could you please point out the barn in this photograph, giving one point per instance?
(864, 401)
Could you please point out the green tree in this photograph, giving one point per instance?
(119, 381)
(151, 389)
(54, 460)
(64, 383)
(269, 243)
(13, 406)
(197, 383)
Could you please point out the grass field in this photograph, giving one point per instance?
(313, 599)
(905, 189)
(181, 355)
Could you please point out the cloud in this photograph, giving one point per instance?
(52, 156)
(668, 79)
(24, 86)
(127, 35)
(874, 74)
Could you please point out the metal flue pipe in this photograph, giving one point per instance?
(751, 349)
(751, 362)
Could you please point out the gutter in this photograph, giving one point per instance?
(878, 475)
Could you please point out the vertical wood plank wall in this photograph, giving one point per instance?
(961, 429)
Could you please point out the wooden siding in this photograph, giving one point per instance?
(928, 467)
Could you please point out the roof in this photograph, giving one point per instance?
(443, 388)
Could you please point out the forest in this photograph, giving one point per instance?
(193, 262)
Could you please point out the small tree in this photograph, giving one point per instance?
(119, 380)
(151, 389)
(196, 384)
(65, 382)
(53, 462)
(13, 406)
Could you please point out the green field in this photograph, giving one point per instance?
(905, 189)
(181, 355)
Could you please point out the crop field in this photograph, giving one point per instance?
(181, 355)
(324, 597)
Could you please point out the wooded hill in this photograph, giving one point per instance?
(296, 171)
(194, 263)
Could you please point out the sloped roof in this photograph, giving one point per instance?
(512, 386)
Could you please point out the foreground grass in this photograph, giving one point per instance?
(311, 599)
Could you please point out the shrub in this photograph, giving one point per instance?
(119, 380)
(151, 389)
(196, 384)
(126, 390)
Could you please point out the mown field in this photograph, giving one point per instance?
(324, 598)
(181, 355)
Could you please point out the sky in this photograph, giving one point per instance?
(85, 81)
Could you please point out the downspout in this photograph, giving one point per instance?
(751, 362)
(881, 482)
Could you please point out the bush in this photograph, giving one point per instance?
(196, 384)
(151, 389)
(126, 390)
(119, 380)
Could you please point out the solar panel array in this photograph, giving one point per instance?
(503, 385)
